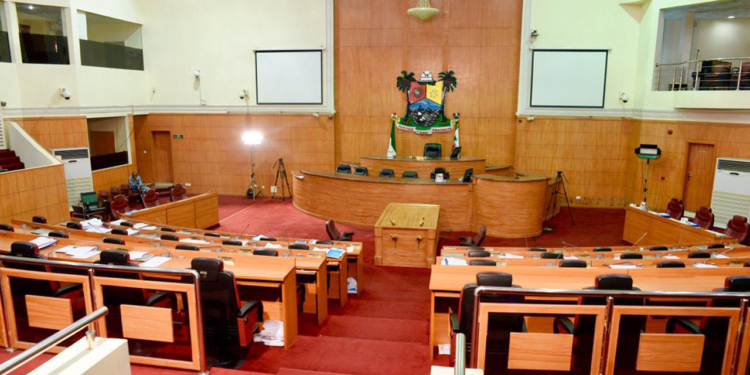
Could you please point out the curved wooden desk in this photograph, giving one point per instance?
(509, 207)
(423, 166)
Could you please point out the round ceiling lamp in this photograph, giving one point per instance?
(423, 11)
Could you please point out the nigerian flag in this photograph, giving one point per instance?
(392, 142)
(456, 142)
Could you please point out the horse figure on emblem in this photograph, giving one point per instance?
(425, 103)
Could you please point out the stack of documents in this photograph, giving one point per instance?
(140, 225)
(351, 285)
(268, 245)
(80, 252)
(454, 262)
(43, 242)
(258, 237)
(137, 255)
(272, 333)
(190, 240)
(154, 262)
(116, 222)
(95, 225)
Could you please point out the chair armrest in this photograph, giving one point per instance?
(161, 296)
(682, 323)
(455, 324)
(563, 325)
(347, 235)
(67, 290)
(465, 240)
(249, 306)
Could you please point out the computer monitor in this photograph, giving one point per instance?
(90, 200)
(456, 152)
(468, 174)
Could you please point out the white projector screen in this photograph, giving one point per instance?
(289, 77)
(568, 78)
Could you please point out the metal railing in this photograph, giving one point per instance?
(721, 74)
(459, 367)
(93, 267)
(62, 335)
(609, 295)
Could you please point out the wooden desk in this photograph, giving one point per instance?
(406, 235)
(660, 230)
(200, 211)
(423, 166)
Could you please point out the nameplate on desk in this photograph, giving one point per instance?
(227, 260)
(245, 251)
(315, 255)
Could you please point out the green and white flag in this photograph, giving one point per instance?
(456, 142)
(392, 142)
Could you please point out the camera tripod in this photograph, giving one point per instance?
(552, 205)
(281, 172)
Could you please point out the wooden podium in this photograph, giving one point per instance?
(406, 235)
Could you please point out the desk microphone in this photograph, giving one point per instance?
(571, 245)
(159, 220)
(639, 240)
(239, 237)
(288, 250)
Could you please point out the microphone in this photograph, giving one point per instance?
(288, 250)
(639, 240)
(239, 237)
(571, 245)
(159, 220)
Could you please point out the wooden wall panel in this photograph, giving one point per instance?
(57, 132)
(36, 191)
(211, 155)
(376, 40)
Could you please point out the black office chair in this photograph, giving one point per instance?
(113, 241)
(670, 264)
(7, 227)
(499, 326)
(126, 224)
(167, 229)
(267, 239)
(386, 173)
(119, 232)
(74, 225)
(445, 173)
(266, 252)
(334, 234)
(409, 174)
(477, 240)
(602, 249)
(716, 246)
(479, 254)
(699, 255)
(538, 249)
(39, 219)
(631, 256)
(323, 242)
(22, 287)
(299, 246)
(211, 234)
(344, 168)
(228, 328)
(58, 234)
(232, 242)
(187, 247)
(433, 150)
(482, 262)
(360, 171)
(548, 255)
(659, 248)
(169, 237)
(573, 263)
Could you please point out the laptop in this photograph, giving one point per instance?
(90, 200)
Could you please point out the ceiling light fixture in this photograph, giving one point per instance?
(423, 11)
(731, 17)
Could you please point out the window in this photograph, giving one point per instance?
(4, 40)
(42, 34)
(109, 142)
(110, 43)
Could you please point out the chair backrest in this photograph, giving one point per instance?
(699, 255)
(126, 224)
(333, 233)
(573, 263)
(119, 205)
(479, 254)
(115, 258)
(659, 248)
(670, 264)
(219, 297)
(24, 249)
(230, 242)
(704, 218)
(7, 227)
(114, 191)
(74, 225)
(481, 235)
(113, 241)
(738, 228)
(613, 282)
(125, 188)
(631, 256)
(169, 237)
(58, 234)
(266, 252)
(299, 246)
(103, 195)
(538, 249)
(150, 198)
(324, 242)
(267, 239)
(178, 193)
(466, 302)
(39, 219)
(386, 173)
(716, 246)
(211, 234)
(602, 249)
(187, 247)
(167, 229)
(482, 262)
(344, 168)
(675, 209)
(409, 174)
(548, 255)
(120, 232)
(737, 283)
(433, 150)
(445, 173)
(360, 171)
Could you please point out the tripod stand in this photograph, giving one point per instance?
(552, 205)
(281, 172)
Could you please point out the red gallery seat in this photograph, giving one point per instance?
(675, 209)
(119, 206)
(704, 218)
(738, 228)
(150, 198)
(178, 193)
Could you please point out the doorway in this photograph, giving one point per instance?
(699, 176)
(162, 156)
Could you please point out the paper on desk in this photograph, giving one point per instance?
(258, 237)
(513, 256)
(87, 254)
(318, 249)
(43, 242)
(570, 258)
(190, 240)
(150, 227)
(454, 262)
(97, 229)
(131, 232)
(76, 250)
(704, 265)
(117, 222)
(350, 249)
(717, 233)
(272, 246)
(135, 255)
(140, 225)
(622, 266)
(92, 223)
(154, 262)
(720, 256)
(671, 257)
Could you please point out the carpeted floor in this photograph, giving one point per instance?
(385, 329)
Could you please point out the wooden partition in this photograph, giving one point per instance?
(647, 228)
(36, 191)
(104, 179)
(201, 211)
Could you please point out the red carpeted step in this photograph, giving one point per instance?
(379, 309)
(7, 154)
(11, 160)
(14, 167)
(291, 371)
(396, 330)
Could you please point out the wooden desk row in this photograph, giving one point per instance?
(647, 228)
(200, 211)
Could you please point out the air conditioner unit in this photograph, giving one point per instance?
(731, 195)
(77, 165)
(3, 143)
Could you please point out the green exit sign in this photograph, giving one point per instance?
(178, 136)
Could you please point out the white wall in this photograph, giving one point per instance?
(722, 38)
(117, 125)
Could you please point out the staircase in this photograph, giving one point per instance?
(9, 161)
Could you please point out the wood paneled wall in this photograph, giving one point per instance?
(36, 191)
(211, 156)
(57, 132)
(376, 40)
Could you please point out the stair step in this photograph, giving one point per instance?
(292, 371)
(7, 154)
(383, 329)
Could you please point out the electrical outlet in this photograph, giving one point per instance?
(188, 184)
(578, 197)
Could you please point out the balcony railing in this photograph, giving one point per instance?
(724, 74)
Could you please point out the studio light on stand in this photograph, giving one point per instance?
(647, 152)
(252, 138)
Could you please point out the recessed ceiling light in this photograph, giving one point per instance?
(731, 17)
(31, 7)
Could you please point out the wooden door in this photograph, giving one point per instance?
(699, 176)
(162, 156)
(101, 143)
